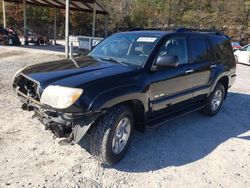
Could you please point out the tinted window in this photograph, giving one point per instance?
(210, 52)
(222, 48)
(178, 47)
(199, 50)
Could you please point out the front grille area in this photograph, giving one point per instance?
(28, 87)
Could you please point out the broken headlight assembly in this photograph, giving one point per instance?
(60, 97)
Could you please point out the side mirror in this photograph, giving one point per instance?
(167, 61)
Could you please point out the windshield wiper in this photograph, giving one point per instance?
(113, 60)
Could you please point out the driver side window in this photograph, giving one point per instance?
(178, 47)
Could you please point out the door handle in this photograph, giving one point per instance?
(189, 71)
(213, 66)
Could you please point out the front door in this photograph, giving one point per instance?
(171, 85)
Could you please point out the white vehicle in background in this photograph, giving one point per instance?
(243, 55)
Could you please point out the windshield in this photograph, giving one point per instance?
(127, 49)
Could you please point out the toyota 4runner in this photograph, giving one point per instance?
(130, 81)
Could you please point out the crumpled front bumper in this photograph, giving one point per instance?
(71, 125)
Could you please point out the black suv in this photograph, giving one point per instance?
(131, 80)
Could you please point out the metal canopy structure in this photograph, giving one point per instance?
(78, 5)
(91, 6)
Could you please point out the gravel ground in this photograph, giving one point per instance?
(192, 151)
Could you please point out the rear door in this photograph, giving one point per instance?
(202, 64)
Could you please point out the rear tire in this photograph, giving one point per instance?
(103, 135)
(215, 100)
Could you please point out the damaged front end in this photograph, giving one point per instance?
(72, 126)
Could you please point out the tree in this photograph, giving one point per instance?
(231, 16)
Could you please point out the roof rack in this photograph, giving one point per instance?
(141, 29)
(207, 31)
(183, 29)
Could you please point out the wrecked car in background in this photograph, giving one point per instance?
(8, 37)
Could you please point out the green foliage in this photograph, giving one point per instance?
(1, 13)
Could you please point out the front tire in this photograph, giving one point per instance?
(111, 136)
(215, 100)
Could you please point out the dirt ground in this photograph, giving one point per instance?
(192, 151)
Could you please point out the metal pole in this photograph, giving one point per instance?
(106, 25)
(55, 31)
(67, 29)
(169, 14)
(94, 19)
(4, 15)
(71, 50)
(24, 22)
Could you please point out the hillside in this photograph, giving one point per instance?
(233, 17)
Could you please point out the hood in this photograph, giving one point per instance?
(67, 73)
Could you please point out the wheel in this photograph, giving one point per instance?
(215, 100)
(111, 136)
(236, 59)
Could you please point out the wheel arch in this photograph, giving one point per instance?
(138, 110)
(224, 80)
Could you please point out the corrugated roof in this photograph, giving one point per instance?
(79, 5)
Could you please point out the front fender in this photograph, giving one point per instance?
(111, 97)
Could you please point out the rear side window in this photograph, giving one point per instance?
(222, 48)
(200, 50)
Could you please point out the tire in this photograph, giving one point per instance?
(210, 106)
(103, 134)
(236, 59)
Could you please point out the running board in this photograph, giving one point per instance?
(171, 116)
